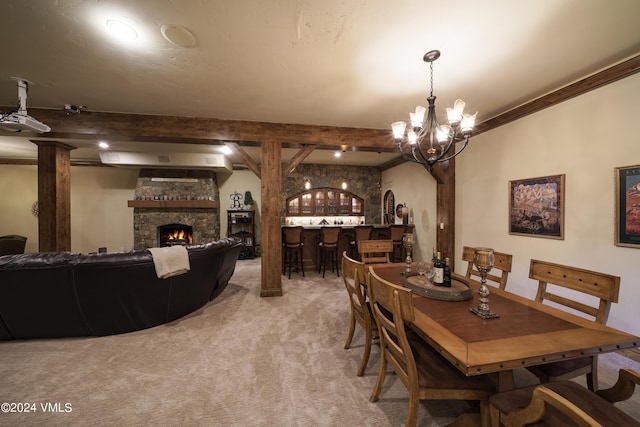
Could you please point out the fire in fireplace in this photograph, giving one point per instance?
(175, 234)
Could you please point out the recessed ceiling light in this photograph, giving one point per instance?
(103, 144)
(178, 35)
(226, 149)
(121, 29)
(337, 154)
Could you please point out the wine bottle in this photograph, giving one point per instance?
(446, 282)
(438, 270)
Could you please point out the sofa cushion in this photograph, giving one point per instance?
(192, 290)
(37, 298)
(120, 292)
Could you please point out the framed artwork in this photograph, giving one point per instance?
(628, 206)
(536, 207)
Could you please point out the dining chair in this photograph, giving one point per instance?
(375, 251)
(360, 232)
(425, 373)
(564, 403)
(502, 262)
(328, 245)
(604, 287)
(12, 244)
(293, 246)
(355, 282)
(396, 232)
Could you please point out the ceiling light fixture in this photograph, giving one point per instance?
(103, 144)
(178, 35)
(121, 29)
(427, 142)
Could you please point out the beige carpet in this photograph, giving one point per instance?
(242, 360)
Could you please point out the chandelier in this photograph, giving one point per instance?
(427, 142)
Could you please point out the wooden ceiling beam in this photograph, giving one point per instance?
(246, 158)
(594, 81)
(297, 159)
(198, 130)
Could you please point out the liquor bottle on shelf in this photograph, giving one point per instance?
(446, 282)
(438, 270)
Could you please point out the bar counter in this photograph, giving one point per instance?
(311, 238)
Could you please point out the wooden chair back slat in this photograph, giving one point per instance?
(375, 251)
(353, 276)
(605, 287)
(502, 262)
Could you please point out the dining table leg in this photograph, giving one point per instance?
(505, 380)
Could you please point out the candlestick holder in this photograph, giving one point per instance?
(483, 259)
(407, 242)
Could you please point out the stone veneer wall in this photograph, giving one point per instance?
(362, 181)
(205, 222)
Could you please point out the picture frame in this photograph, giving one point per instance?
(627, 206)
(536, 207)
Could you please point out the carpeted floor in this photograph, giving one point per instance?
(241, 360)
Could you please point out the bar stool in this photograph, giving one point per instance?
(395, 234)
(292, 245)
(329, 238)
(361, 232)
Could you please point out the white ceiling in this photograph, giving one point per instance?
(351, 63)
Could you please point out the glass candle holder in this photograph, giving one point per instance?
(483, 259)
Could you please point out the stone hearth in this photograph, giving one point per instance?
(175, 196)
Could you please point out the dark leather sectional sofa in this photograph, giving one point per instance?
(68, 294)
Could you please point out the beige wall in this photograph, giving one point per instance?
(19, 190)
(584, 138)
(413, 185)
(99, 212)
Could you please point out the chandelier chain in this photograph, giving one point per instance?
(431, 68)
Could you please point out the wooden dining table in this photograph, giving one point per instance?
(526, 333)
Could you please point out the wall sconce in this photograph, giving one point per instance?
(344, 184)
(307, 184)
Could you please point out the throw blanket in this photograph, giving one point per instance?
(170, 260)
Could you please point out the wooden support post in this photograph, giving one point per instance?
(271, 256)
(446, 211)
(54, 196)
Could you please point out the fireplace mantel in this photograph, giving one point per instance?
(161, 204)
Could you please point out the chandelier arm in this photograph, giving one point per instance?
(407, 156)
(422, 156)
(444, 159)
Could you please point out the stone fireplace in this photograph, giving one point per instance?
(175, 206)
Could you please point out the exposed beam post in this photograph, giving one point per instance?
(271, 184)
(446, 211)
(54, 196)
